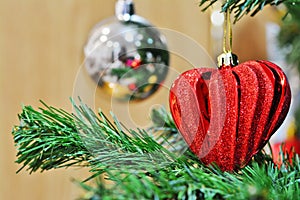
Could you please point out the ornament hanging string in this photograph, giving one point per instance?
(227, 38)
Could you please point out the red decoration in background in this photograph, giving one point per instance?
(227, 115)
(289, 147)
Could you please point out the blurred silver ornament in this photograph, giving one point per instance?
(126, 55)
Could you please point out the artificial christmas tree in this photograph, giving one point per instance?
(149, 164)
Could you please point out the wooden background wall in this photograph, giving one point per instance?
(41, 58)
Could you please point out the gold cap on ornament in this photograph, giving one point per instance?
(227, 59)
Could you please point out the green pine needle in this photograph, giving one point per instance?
(241, 8)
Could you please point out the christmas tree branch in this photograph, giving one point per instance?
(190, 180)
(51, 138)
(138, 165)
(48, 139)
(244, 7)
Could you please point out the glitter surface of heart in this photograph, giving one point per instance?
(227, 115)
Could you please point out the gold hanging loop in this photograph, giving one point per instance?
(227, 58)
(227, 38)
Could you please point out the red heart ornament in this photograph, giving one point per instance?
(227, 115)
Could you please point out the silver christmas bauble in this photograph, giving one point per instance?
(126, 55)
